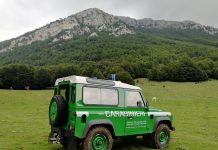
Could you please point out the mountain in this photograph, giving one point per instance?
(94, 43)
(95, 36)
(92, 21)
(86, 22)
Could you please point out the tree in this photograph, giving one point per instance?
(186, 70)
(1, 83)
(17, 76)
(98, 74)
(215, 73)
(159, 73)
(206, 65)
(42, 78)
(68, 70)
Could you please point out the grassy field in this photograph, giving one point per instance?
(24, 120)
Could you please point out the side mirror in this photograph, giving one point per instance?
(139, 103)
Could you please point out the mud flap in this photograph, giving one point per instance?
(72, 143)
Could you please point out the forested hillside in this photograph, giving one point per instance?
(156, 53)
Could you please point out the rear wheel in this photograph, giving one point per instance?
(99, 138)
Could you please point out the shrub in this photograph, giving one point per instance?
(125, 77)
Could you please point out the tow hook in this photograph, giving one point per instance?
(54, 138)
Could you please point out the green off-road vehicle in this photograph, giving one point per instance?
(92, 113)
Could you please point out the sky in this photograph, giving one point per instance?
(20, 16)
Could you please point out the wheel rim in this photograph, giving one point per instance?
(53, 111)
(163, 137)
(99, 142)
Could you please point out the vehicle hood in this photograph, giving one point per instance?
(152, 109)
(158, 112)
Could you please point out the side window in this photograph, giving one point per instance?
(100, 96)
(109, 96)
(91, 95)
(133, 98)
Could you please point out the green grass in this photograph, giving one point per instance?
(24, 120)
(194, 106)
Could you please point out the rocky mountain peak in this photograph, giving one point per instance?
(88, 21)
(95, 17)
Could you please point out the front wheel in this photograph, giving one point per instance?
(99, 138)
(161, 136)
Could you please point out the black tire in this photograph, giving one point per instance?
(155, 141)
(61, 112)
(87, 142)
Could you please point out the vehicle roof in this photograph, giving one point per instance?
(93, 81)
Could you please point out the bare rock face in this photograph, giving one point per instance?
(92, 21)
(94, 34)
(78, 24)
(95, 17)
(102, 21)
(160, 24)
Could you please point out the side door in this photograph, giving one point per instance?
(136, 113)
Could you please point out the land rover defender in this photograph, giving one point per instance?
(93, 112)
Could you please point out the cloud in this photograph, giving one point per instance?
(20, 16)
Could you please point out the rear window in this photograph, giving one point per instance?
(64, 90)
(100, 96)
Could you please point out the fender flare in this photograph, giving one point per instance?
(97, 122)
(164, 119)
